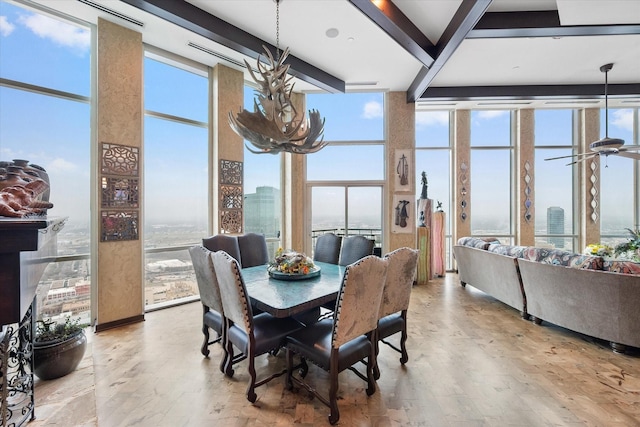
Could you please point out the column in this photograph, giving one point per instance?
(462, 174)
(400, 141)
(119, 261)
(525, 184)
(589, 179)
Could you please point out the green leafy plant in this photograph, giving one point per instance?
(48, 330)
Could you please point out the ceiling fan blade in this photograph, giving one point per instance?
(566, 157)
(586, 157)
(630, 148)
(629, 155)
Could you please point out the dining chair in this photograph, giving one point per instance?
(212, 312)
(253, 250)
(327, 248)
(392, 317)
(339, 343)
(223, 242)
(252, 335)
(355, 248)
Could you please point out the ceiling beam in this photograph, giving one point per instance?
(540, 24)
(399, 27)
(469, 93)
(198, 21)
(464, 20)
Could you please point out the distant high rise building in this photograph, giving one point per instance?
(262, 211)
(555, 225)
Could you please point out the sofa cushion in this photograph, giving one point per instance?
(626, 267)
(476, 242)
(564, 258)
(508, 250)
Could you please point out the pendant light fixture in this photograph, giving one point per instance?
(275, 125)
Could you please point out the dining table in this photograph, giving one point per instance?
(288, 296)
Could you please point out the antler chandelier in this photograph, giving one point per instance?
(274, 125)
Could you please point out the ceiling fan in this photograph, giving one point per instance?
(605, 146)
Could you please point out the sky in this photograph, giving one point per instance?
(55, 133)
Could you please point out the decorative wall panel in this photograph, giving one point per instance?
(230, 191)
(593, 191)
(119, 159)
(527, 191)
(119, 225)
(119, 192)
(119, 185)
(464, 178)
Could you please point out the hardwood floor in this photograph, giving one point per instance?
(472, 362)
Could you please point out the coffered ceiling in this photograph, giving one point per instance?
(444, 53)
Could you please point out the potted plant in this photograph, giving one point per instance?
(630, 248)
(58, 348)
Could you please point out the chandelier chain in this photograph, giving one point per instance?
(277, 29)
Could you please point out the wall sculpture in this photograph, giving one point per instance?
(24, 189)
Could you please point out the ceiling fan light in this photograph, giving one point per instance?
(606, 143)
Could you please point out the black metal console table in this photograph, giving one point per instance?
(26, 246)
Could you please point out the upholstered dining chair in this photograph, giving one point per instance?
(354, 248)
(327, 248)
(252, 335)
(212, 312)
(253, 250)
(223, 242)
(401, 274)
(339, 343)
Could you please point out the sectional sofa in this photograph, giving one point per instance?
(584, 293)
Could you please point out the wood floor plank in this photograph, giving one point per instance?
(472, 362)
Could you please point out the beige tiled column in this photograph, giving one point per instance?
(120, 279)
(227, 94)
(525, 185)
(462, 174)
(293, 190)
(589, 179)
(401, 119)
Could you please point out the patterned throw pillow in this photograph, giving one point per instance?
(474, 242)
(626, 267)
(564, 258)
(508, 250)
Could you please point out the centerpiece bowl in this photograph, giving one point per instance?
(291, 265)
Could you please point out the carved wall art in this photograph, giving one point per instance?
(403, 214)
(118, 225)
(119, 192)
(119, 159)
(230, 192)
(404, 170)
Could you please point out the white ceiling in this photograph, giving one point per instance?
(366, 58)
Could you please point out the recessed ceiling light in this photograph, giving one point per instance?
(332, 33)
(350, 39)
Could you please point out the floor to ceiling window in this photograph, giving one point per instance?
(345, 179)
(554, 179)
(433, 156)
(491, 174)
(176, 175)
(45, 118)
(618, 175)
(262, 198)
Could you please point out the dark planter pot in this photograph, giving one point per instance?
(57, 359)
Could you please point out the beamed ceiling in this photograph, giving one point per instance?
(443, 53)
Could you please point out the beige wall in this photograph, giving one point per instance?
(120, 297)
